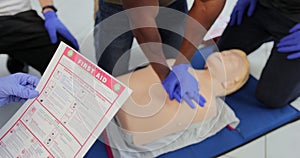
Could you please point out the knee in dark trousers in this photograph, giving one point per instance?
(271, 99)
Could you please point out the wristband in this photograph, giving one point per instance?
(49, 7)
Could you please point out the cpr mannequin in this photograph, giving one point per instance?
(149, 114)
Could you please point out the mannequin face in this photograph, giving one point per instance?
(227, 67)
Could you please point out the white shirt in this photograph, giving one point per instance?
(12, 7)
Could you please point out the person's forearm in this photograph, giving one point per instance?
(44, 3)
(201, 16)
(150, 42)
(145, 30)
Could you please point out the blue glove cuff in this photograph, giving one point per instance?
(180, 67)
(50, 15)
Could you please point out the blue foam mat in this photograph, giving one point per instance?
(97, 151)
(256, 120)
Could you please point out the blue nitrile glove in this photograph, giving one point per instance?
(200, 99)
(54, 26)
(239, 10)
(291, 43)
(180, 84)
(17, 87)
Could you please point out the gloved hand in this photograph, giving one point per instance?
(17, 87)
(180, 84)
(239, 10)
(291, 43)
(54, 26)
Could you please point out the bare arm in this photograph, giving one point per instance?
(204, 12)
(147, 33)
(46, 3)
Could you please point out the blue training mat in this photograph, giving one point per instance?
(97, 150)
(255, 120)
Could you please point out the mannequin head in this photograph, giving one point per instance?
(229, 69)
